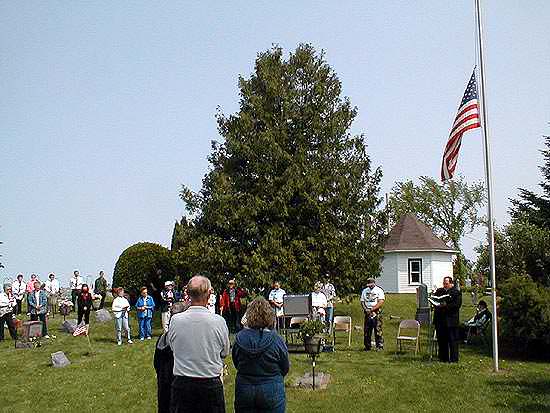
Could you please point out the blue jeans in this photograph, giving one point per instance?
(329, 315)
(268, 397)
(145, 329)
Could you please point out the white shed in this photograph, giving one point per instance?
(413, 255)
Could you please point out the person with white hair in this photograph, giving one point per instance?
(7, 307)
(200, 342)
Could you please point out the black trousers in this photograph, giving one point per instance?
(85, 314)
(197, 395)
(74, 295)
(373, 324)
(19, 306)
(447, 340)
(233, 319)
(8, 319)
(102, 302)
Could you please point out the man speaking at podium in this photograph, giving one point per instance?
(446, 321)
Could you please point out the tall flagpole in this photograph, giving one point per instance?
(488, 183)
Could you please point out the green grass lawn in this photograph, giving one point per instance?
(123, 378)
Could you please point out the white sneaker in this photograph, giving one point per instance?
(46, 336)
(148, 338)
(130, 342)
(119, 343)
(141, 339)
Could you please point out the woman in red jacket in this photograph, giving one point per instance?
(85, 304)
(231, 306)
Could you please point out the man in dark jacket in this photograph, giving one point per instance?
(100, 287)
(163, 362)
(446, 320)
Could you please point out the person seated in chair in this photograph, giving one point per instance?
(478, 322)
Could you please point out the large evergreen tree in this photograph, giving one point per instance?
(291, 194)
(533, 207)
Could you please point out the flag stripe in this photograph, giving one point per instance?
(467, 118)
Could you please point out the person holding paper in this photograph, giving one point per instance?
(120, 309)
(446, 321)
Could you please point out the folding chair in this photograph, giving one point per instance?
(405, 331)
(341, 323)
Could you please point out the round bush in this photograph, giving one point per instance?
(144, 264)
(525, 314)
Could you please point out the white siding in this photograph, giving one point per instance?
(442, 266)
(388, 276)
(403, 269)
(394, 277)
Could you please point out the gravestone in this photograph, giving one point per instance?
(59, 359)
(322, 381)
(422, 304)
(103, 316)
(69, 326)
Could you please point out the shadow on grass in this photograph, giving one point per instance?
(530, 395)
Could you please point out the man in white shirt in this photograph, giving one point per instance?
(52, 291)
(276, 300)
(330, 292)
(372, 299)
(18, 288)
(200, 342)
(75, 284)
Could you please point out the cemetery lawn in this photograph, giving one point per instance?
(113, 378)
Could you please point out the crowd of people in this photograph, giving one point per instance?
(43, 299)
(190, 366)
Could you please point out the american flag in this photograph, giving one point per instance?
(81, 330)
(466, 119)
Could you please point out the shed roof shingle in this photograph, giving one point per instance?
(411, 234)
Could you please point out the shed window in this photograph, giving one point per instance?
(415, 270)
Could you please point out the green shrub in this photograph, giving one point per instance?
(524, 312)
(311, 328)
(144, 264)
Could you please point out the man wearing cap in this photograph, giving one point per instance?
(167, 298)
(372, 300)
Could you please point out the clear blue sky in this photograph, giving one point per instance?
(106, 108)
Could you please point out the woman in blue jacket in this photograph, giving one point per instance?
(261, 358)
(145, 306)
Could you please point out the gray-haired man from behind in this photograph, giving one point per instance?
(200, 342)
